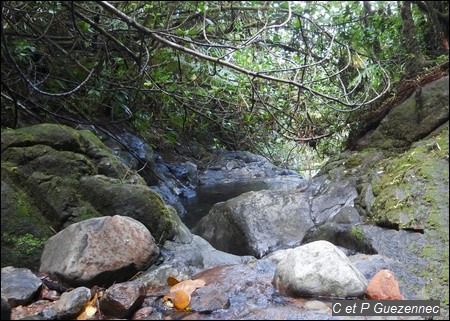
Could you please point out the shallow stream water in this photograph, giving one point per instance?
(207, 196)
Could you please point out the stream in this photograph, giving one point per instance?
(208, 195)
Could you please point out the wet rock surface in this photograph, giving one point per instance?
(401, 225)
(319, 269)
(256, 223)
(79, 255)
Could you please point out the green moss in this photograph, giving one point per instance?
(412, 191)
(112, 197)
(354, 160)
(358, 233)
(26, 244)
(59, 137)
(93, 145)
(24, 229)
(9, 167)
(403, 189)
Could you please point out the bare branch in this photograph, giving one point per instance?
(156, 35)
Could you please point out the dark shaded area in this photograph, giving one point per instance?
(371, 118)
(207, 196)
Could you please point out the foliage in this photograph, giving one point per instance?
(179, 295)
(261, 76)
(26, 243)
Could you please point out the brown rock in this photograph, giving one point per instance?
(384, 286)
(122, 299)
(99, 251)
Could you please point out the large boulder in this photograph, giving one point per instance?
(412, 120)
(53, 176)
(318, 269)
(99, 251)
(257, 223)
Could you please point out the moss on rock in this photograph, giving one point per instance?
(24, 228)
(110, 196)
(413, 193)
(50, 174)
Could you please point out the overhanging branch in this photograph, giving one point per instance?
(155, 34)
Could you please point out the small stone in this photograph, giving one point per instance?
(384, 286)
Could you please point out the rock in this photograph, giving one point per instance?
(122, 299)
(142, 314)
(231, 285)
(318, 269)
(318, 306)
(99, 251)
(182, 260)
(347, 215)
(384, 286)
(349, 236)
(182, 233)
(19, 286)
(233, 166)
(257, 223)
(53, 176)
(413, 119)
(110, 196)
(71, 303)
(24, 229)
(39, 310)
(410, 284)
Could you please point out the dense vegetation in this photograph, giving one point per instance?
(284, 79)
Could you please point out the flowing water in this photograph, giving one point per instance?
(207, 196)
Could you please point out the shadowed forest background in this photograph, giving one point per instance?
(293, 81)
(232, 142)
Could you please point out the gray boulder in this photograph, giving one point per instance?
(256, 223)
(19, 286)
(318, 269)
(72, 303)
(99, 251)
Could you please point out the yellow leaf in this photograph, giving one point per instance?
(180, 299)
(90, 311)
(188, 286)
(172, 281)
(199, 283)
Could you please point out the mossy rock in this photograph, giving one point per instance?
(413, 119)
(51, 175)
(347, 236)
(412, 193)
(59, 137)
(413, 185)
(24, 229)
(110, 196)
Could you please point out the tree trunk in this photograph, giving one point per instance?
(437, 29)
(375, 44)
(415, 58)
